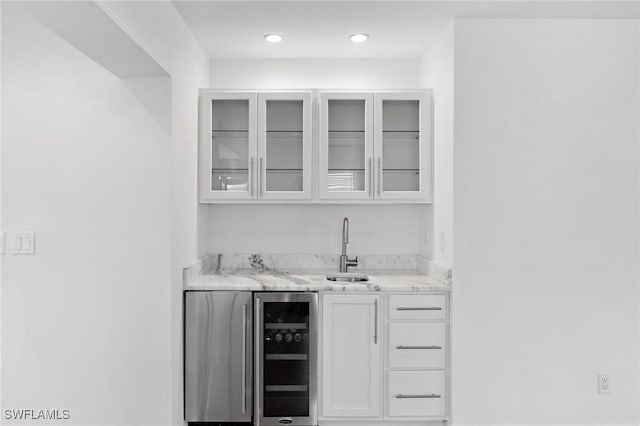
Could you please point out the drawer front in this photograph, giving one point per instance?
(417, 345)
(416, 393)
(417, 306)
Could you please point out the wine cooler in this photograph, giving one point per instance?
(285, 359)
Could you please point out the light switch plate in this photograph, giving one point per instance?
(24, 243)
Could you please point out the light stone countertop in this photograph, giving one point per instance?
(310, 281)
(267, 273)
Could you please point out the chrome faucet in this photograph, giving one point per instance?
(345, 262)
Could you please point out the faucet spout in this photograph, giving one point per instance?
(345, 262)
(345, 235)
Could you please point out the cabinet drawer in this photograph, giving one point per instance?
(416, 393)
(417, 345)
(417, 306)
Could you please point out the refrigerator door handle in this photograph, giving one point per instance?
(258, 344)
(244, 358)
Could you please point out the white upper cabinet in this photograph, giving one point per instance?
(368, 147)
(255, 146)
(284, 145)
(228, 146)
(346, 146)
(376, 146)
(403, 147)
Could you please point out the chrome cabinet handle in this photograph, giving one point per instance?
(370, 176)
(379, 176)
(375, 322)
(418, 347)
(251, 171)
(260, 188)
(405, 396)
(258, 342)
(411, 308)
(244, 358)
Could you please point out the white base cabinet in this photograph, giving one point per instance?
(399, 376)
(351, 356)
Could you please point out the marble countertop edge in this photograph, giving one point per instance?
(208, 274)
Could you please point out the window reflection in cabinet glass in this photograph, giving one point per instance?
(346, 145)
(401, 145)
(230, 145)
(284, 145)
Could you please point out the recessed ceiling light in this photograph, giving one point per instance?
(273, 38)
(358, 38)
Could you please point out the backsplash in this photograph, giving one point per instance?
(311, 229)
(269, 261)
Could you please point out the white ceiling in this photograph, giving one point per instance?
(320, 29)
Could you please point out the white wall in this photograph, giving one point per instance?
(436, 71)
(314, 228)
(546, 221)
(85, 164)
(163, 34)
(314, 73)
(149, 266)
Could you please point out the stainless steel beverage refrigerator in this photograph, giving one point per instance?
(251, 358)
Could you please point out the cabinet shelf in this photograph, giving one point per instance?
(222, 169)
(286, 388)
(384, 170)
(285, 325)
(286, 357)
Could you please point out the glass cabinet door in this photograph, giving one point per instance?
(227, 145)
(284, 145)
(346, 145)
(403, 146)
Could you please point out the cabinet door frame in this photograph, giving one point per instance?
(375, 411)
(307, 130)
(205, 146)
(323, 163)
(425, 99)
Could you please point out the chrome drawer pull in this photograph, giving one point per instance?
(418, 347)
(429, 308)
(402, 396)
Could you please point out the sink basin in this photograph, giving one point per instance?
(351, 277)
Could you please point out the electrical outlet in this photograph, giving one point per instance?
(604, 383)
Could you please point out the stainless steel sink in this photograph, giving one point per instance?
(348, 277)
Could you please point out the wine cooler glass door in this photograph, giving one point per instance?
(287, 356)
